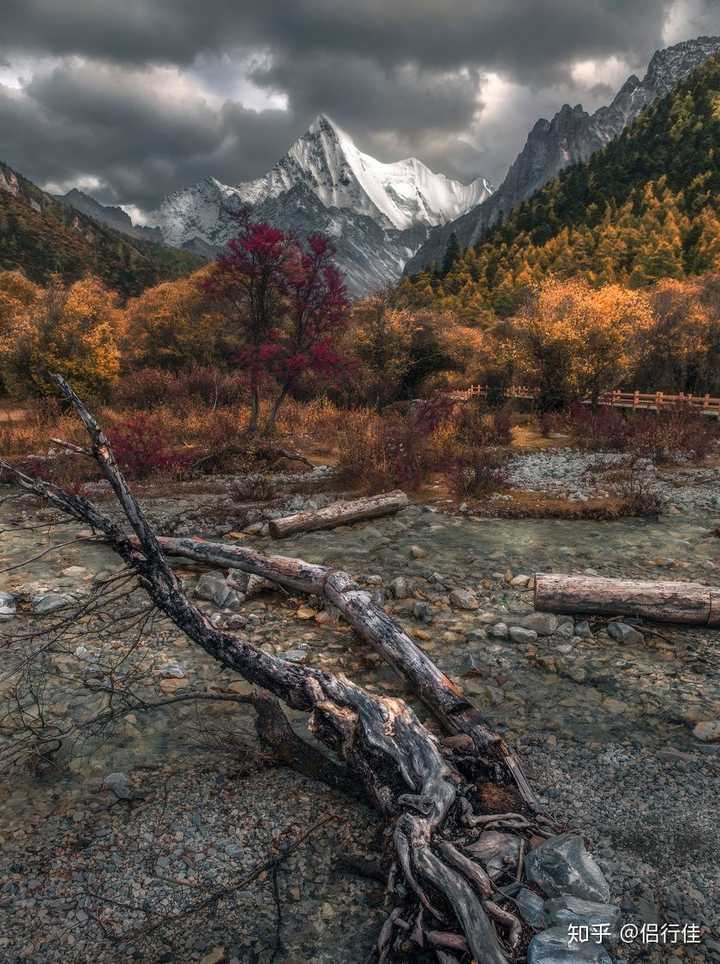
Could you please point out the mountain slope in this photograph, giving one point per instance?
(571, 136)
(645, 207)
(324, 183)
(42, 236)
(113, 217)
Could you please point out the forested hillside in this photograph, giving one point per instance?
(42, 237)
(644, 208)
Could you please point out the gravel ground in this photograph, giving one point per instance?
(606, 729)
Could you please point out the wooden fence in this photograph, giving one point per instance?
(648, 401)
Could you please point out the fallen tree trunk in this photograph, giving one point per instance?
(665, 602)
(339, 514)
(439, 693)
(429, 795)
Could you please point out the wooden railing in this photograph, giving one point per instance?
(650, 401)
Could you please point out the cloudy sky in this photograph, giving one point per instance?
(130, 99)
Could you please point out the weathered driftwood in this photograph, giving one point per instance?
(440, 694)
(339, 514)
(666, 602)
(427, 794)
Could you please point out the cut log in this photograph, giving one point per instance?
(665, 602)
(339, 514)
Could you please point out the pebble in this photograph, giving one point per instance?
(707, 731)
(625, 634)
(464, 599)
(518, 634)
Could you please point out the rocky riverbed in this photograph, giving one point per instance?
(614, 723)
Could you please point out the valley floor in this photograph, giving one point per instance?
(605, 730)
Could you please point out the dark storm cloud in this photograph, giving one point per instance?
(511, 34)
(146, 96)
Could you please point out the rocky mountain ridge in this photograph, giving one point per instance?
(571, 136)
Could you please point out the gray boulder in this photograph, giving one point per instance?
(8, 605)
(625, 634)
(50, 602)
(562, 866)
(118, 784)
(553, 947)
(400, 588)
(518, 634)
(566, 910)
(544, 624)
(213, 588)
(464, 599)
(531, 907)
(499, 631)
(423, 611)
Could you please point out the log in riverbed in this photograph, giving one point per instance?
(664, 602)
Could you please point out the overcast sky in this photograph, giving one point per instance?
(130, 99)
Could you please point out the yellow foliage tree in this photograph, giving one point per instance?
(20, 301)
(573, 340)
(76, 332)
(175, 325)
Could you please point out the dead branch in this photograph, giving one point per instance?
(404, 772)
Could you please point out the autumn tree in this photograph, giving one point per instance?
(77, 335)
(382, 338)
(573, 341)
(19, 303)
(288, 305)
(177, 325)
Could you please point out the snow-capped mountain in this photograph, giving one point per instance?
(571, 136)
(324, 183)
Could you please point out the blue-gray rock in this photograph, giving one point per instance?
(118, 784)
(531, 907)
(295, 655)
(562, 865)
(625, 634)
(8, 605)
(544, 624)
(172, 671)
(50, 602)
(553, 947)
(519, 634)
(213, 588)
(423, 611)
(566, 910)
(499, 631)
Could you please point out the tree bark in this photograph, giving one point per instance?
(666, 602)
(440, 694)
(339, 514)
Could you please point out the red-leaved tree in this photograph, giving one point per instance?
(289, 303)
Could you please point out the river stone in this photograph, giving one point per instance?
(400, 588)
(708, 731)
(119, 785)
(8, 605)
(544, 624)
(520, 635)
(553, 947)
(624, 633)
(496, 850)
(256, 585)
(50, 602)
(566, 910)
(172, 671)
(531, 907)
(423, 611)
(562, 865)
(213, 588)
(499, 631)
(464, 599)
